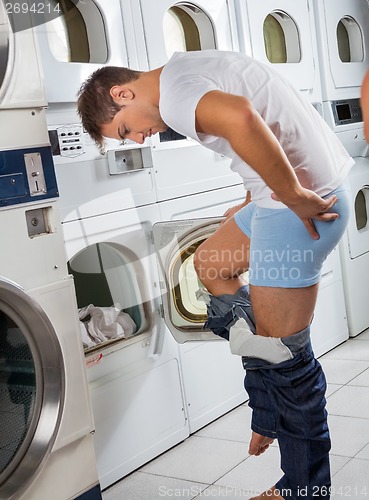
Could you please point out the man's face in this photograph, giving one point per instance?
(135, 121)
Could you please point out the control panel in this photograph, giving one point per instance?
(347, 111)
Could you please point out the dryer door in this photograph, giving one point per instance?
(175, 244)
(31, 388)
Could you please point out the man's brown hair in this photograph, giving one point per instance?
(95, 104)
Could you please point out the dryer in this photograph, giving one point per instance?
(343, 46)
(47, 424)
(281, 33)
(182, 166)
(212, 376)
(21, 79)
(85, 36)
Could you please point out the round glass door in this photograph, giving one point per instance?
(31, 387)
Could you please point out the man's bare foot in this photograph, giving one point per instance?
(259, 444)
(271, 493)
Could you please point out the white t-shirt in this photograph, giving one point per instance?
(317, 156)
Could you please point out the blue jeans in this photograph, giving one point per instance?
(288, 403)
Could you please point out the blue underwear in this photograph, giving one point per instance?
(282, 252)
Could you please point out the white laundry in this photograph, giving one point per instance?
(86, 339)
(244, 343)
(106, 323)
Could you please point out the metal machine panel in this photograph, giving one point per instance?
(26, 174)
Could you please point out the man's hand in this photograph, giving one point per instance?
(309, 206)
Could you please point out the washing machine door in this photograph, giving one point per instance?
(175, 245)
(31, 388)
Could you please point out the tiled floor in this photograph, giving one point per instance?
(213, 463)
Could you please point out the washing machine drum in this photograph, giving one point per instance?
(31, 387)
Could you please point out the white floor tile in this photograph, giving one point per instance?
(337, 463)
(141, 486)
(341, 371)
(352, 481)
(364, 453)
(348, 435)
(331, 389)
(350, 350)
(350, 401)
(235, 426)
(255, 474)
(362, 379)
(199, 459)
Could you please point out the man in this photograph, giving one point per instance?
(294, 167)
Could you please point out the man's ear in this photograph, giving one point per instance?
(121, 94)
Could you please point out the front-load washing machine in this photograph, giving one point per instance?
(135, 376)
(281, 33)
(47, 425)
(212, 376)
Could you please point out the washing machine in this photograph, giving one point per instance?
(343, 50)
(135, 378)
(183, 167)
(47, 424)
(281, 33)
(85, 36)
(108, 209)
(212, 376)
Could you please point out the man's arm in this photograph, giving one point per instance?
(234, 118)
